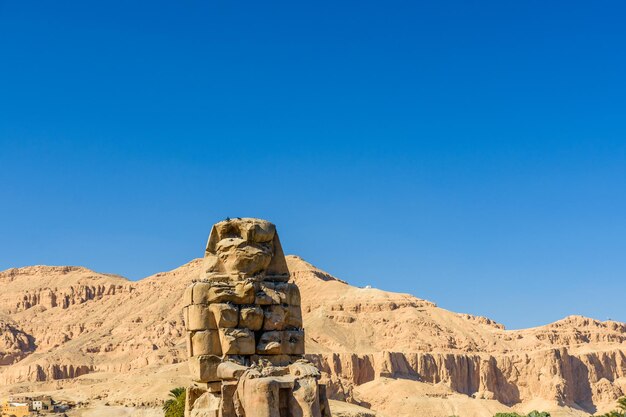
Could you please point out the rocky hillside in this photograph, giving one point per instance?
(90, 334)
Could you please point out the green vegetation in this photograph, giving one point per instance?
(619, 412)
(621, 409)
(175, 405)
(538, 414)
(531, 414)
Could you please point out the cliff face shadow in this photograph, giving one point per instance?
(581, 386)
(508, 393)
(397, 366)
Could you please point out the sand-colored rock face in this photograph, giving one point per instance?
(15, 344)
(365, 341)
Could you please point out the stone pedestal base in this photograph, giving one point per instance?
(254, 395)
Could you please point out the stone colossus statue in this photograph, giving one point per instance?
(245, 338)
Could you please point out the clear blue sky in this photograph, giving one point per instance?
(471, 153)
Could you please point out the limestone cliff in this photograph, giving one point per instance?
(60, 323)
(15, 344)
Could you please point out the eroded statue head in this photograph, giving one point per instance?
(244, 248)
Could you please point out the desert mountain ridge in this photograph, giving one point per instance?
(87, 334)
(62, 270)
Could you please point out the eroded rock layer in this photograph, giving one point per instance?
(357, 336)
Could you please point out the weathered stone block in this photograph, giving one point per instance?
(225, 315)
(272, 397)
(200, 292)
(191, 395)
(204, 413)
(237, 341)
(275, 360)
(270, 343)
(187, 298)
(268, 293)
(228, 404)
(188, 343)
(215, 386)
(288, 292)
(282, 317)
(203, 368)
(198, 317)
(241, 292)
(240, 359)
(302, 369)
(306, 398)
(207, 405)
(206, 342)
(293, 342)
(275, 317)
(251, 317)
(294, 317)
(230, 370)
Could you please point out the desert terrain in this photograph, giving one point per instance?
(117, 346)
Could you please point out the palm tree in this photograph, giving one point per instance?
(175, 406)
(620, 412)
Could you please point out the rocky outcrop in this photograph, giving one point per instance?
(482, 320)
(577, 380)
(39, 372)
(356, 336)
(71, 285)
(66, 297)
(15, 344)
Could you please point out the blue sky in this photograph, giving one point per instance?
(470, 153)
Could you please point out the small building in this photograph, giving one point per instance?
(42, 403)
(15, 409)
(37, 405)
